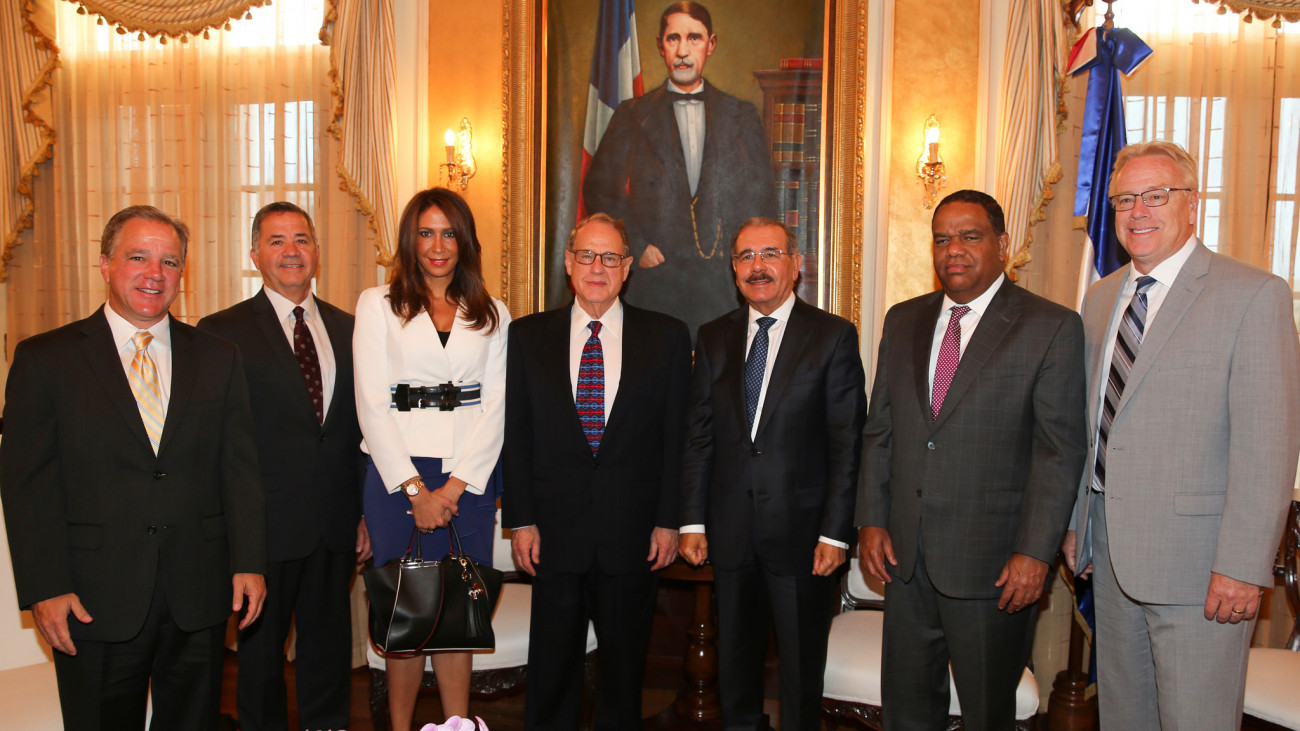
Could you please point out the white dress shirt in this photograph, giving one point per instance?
(968, 323)
(690, 125)
(611, 347)
(160, 350)
(311, 316)
(1164, 273)
(775, 333)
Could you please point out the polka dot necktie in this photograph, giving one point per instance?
(755, 365)
(949, 355)
(304, 348)
(590, 400)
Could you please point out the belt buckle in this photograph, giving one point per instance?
(448, 396)
(402, 396)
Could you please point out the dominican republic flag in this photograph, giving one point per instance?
(615, 77)
(1106, 55)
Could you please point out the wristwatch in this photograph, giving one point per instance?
(413, 486)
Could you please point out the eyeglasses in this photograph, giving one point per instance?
(747, 257)
(1153, 198)
(608, 258)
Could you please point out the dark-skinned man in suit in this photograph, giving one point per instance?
(595, 403)
(773, 431)
(973, 442)
(131, 493)
(297, 352)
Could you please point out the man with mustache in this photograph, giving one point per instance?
(771, 465)
(297, 353)
(973, 446)
(682, 166)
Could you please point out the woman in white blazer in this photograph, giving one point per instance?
(430, 357)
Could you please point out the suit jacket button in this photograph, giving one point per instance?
(322, 437)
(152, 530)
(755, 452)
(929, 445)
(918, 492)
(159, 475)
(749, 494)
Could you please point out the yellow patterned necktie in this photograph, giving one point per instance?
(144, 385)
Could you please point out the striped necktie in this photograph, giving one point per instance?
(145, 388)
(1128, 340)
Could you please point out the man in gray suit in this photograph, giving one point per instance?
(1193, 456)
(973, 444)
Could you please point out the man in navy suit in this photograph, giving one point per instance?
(297, 352)
(131, 493)
(771, 465)
(592, 478)
(683, 166)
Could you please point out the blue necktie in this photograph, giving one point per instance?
(590, 401)
(755, 365)
(1128, 340)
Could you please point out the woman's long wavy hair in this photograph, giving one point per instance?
(408, 292)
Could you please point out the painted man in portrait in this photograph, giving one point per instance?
(683, 166)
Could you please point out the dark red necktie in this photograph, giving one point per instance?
(304, 348)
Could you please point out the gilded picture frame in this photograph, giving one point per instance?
(524, 218)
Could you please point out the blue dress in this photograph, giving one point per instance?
(391, 526)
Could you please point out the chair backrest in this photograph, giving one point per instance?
(1290, 544)
(859, 591)
(502, 556)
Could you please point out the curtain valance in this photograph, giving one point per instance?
(1277, 10)
(168, 18)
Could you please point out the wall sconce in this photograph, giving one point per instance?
(460, 166)
(929, 166)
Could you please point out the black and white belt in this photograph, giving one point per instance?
(443, 397)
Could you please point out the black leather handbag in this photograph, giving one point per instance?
(432, 605)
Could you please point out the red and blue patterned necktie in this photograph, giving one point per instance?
(591, 389)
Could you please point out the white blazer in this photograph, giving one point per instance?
(385, 353)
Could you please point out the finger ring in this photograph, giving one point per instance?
(1238, 611)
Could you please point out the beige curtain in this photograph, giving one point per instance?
(209, 131)
(1229, 92)
(1029, 115)
(363, 54)
(26, 32)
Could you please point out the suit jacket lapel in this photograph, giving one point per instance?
(101, 354)
(1186, 288)
(341, 344)
(734, 359)
(793, 340)
(285, 360)
(922, 343)
(554, 362)
(183, 367)
(666, 141)
(1002, 313)
(636, 354)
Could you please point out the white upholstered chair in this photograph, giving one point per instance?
(852, 683)
(497, 672)
(1272, 693)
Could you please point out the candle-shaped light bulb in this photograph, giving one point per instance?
(449, 140)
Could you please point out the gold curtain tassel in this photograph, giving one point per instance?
(121, 31)
(227, 25)
(81, 10)
(162, 39)
(99, 20)
(140, 37)
(205, 34)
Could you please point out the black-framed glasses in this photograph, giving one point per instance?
(608, 258)
(748, 257)
(1153, 198)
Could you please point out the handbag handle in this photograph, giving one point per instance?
(453, 541)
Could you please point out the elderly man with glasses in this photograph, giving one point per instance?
(595, 403)
(1194, 412)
